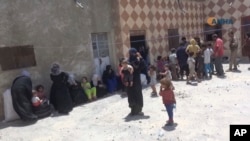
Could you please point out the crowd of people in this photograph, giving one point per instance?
(194, 61)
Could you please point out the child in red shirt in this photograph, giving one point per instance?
(168, 97)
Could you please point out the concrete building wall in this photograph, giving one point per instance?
(156, 17)
(60, 32)
(222, 9)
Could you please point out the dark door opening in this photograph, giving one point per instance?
(210, 30)
(139, 43)
(173, 38)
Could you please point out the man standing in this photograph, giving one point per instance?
(218, 54)
(233, 51)
(182, 57)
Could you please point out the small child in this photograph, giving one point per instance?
(166, 73)
(168, 98)
(153, 81)
(200, 64)
(127, 71)
(36, 101)
(173, 63)
(90, 91)
(207, 61)
(40, 92)
(191, 65)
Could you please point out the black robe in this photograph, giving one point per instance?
(59, 94)
(100, 91)
(21, 92)
(135, 98)
(77, 94)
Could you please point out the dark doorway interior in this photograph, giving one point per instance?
(245, 27)
(210, 30)
(139, 43)
(173, 38)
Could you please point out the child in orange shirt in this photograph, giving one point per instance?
(168, 98)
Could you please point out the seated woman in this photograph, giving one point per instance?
(90, 91)
(100, 88)
(76, 91)
(109, 79)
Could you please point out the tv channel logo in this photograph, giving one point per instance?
(239, 132)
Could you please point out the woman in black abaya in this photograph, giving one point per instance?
(59, 95)
(21, 92)
(135, 98)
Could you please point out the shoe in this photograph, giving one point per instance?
(169, 123)
(228, 70)
(235, 69)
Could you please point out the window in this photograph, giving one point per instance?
(17, 57)
(100, 44)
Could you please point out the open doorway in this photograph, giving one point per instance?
(173, 38)
(210, 30)
(139, 43)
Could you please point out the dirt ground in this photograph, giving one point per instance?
(203, 113)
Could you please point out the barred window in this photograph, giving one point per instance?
(100, 44)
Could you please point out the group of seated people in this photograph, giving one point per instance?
(65, 93)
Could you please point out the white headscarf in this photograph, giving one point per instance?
(95, 79)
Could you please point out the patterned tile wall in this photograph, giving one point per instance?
(222, 9)
(156, 17)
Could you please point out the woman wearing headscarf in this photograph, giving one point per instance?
(100, 88)
(135, 98)
(21, 92)
(59, 95)
(109, 79)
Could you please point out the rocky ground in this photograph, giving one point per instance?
(203, 113)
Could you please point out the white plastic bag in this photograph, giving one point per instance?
(9, 112)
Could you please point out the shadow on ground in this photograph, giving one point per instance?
(129, 117)
(16, 123)
(170, 128)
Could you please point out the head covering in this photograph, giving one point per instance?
(25, 73)
(192, 42)
(55, 69)
(132, 51)
(132, 55)
(71, 79)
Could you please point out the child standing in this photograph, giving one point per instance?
(168, 98)
(153, 81)
(191, 65)
(207, 61)
(90, 91)
(173, 64)
(200, 64)
(166, 73)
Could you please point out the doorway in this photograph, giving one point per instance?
(139, 43)
(173, 38)
(210, 30)
(245, 27)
